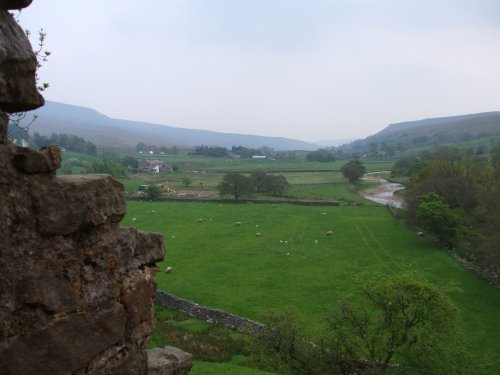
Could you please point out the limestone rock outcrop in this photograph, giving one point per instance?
(18, 64)
(76, 290)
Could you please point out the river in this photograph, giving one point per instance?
(384, 193)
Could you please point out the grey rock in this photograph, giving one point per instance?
(70, 203)
(18, 63)
(169, 361)
(28, 160)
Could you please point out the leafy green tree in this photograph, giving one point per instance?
(153, 191)
(406, 325)
(141, 146)
(237, 185)
(276, 185)
(401, 324)
(353, 170)
(436, 217)
(259, 179)
(186, 181)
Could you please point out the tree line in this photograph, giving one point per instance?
(239, 185)
(69, 142)
(453, 196)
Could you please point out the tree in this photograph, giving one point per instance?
(353, 170)
(320, 155)
(405, 321)
(276, 185)
(186, 181)
(153, 191)
(436, 217)
(237, 185)
(259, 179)
(401, 324)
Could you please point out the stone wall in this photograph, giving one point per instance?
(208, 314)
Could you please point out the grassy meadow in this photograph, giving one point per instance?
(294, 266)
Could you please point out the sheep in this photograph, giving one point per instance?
(420, 233)
(323, 213)
(237, 223)
(134, 219)
(328, 233)
(168, 269)
(281, 241)
(258, 234)
(315, 241)
(173, 237)
(199, 220)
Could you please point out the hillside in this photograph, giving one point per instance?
(461, 130)
(102, 130)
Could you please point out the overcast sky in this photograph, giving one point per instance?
(311, 69)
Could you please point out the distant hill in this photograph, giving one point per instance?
(102, 130)
(459, 130)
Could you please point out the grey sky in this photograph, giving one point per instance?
(312, 69)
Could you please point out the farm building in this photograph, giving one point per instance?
(154, 166)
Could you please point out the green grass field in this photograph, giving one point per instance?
(219, 264)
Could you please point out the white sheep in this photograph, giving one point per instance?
(237, 223)
(258, 234)
(199, 220)
(168, 269)
(328, 233)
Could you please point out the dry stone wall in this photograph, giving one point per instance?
(208, 314)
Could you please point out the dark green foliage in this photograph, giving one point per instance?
(408, 166)
(320, 155)
(400, 324)
(153, 191)
(130, 163)
(353, 170)
(245, 152)
(438, 220)
(186, 181)
(270, 184)
(237, 185)
(466, 214)
(68, 141)
(111, 167)
(214, 151)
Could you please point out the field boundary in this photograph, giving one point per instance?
(208, 314)
(243, 201)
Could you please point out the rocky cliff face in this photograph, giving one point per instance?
(76, 290)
